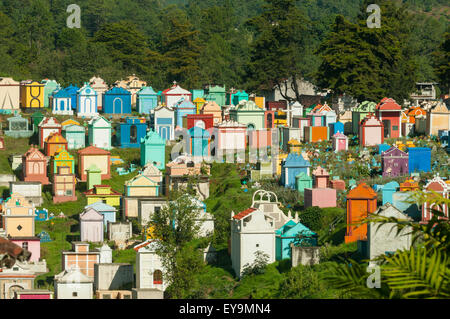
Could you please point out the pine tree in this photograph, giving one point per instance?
(278, 47)
(181, 49)
(369, 63)
(128, 46)
(442, 62)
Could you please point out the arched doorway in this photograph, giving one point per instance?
(117, 106)
(269, 120)
(12, 291)
(387, 128)
(157, 277)
(88, 105)
(36, 168)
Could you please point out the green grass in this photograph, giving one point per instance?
(13, 146)
(62, 232)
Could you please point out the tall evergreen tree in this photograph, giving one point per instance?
(276, 52)
(442, 62)
(368, 63)
(128, 46)
(181, 49)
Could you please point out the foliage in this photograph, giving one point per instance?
(422, 271)
(288, 197)
(186, 264)
(175, 226)
(194, 42)
(442, 61)
(264, 285)
(417, 273)
(302, 282)
(226, 195)
(312, 218)
(319, 219)
(278, 48)
(181, 48)
(352, 51)
(258, 266)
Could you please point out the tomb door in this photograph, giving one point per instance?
(163, 132)
(133, 134)
(387, 128)
(269, 120)
(88, 105)
(117, 106)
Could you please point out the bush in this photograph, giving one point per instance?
(312, 218)
(259, 265)
(301, 282)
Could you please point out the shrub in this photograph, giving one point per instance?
(301, 282)
(259, 264)
(312, 218)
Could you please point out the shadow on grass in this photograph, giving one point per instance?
(34, 139)
(6, 193)
(338, 237)
(284, 266)
(72, 238)
(224, 261)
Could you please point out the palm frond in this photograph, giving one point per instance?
(418, 272)
(351, 277)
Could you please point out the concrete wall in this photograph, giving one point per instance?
(66, 290)
(112, 276)
(384, 239)
(304, 255)
(119, 231)
(30, 190)
(147, 294)
(321, 197)
(5, 179)
(146, 264)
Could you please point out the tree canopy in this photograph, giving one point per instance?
(253, 45)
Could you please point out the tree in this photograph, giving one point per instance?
(369, 64)
(442, 62)
(175, 226)
(276, 52)
(312, 218)
(128, 46)
(181, 48)
(302, 282)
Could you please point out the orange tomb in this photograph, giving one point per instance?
(361, 201)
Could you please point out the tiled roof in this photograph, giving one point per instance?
(388, 104)
(244, 213)
(144, 244)
(92, 150)
(55, 138)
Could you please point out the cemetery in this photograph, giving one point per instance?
(254, 192)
